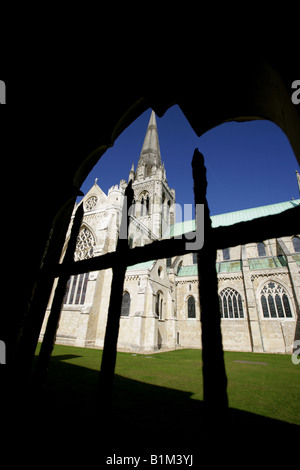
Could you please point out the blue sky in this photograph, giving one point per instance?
(248, 164)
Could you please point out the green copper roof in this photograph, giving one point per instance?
(229, 266)
(188, 271)
(249, 214)
(180, 228)
(140, 266)
(267, 262)
(232, 218)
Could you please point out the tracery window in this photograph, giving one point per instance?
(296, 244)
(274, 301)
(231, 304)
(85, 245)
(91, 203)
(125, 308)
(191, 307)
(77, 285)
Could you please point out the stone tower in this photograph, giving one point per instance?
(154, 202)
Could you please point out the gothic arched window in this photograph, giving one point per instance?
(231, 305)
(274, 301)
(125, 308)
(261, 249)
(145, 203)
(296, 244)
(85, 245)
(191, 307)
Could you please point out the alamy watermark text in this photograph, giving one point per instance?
(296, 94)
(2, 92)
(2, 352)
(296, 353)
(194, 234)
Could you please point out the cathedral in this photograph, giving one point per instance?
(258, 283)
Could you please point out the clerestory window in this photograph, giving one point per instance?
(261, 249)
(226, 254)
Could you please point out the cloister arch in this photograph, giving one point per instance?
(267, 97)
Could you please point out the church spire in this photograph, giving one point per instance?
(150, 159)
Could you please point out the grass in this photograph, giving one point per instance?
(158, 409)
(170, 378)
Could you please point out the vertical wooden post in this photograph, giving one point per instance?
(109, 356)
(53, 320)
(214, 374)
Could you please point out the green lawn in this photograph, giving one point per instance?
(174, 379)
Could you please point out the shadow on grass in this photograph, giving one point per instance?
(146, 419)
